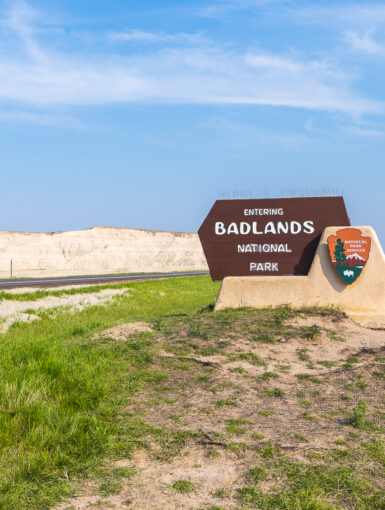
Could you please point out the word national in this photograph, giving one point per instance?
(271, 227)
(263, 248)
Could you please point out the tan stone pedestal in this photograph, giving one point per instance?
(363, 300)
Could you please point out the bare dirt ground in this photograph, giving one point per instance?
(241, 390)
(12, 311)
(122, 331)
(26, 290)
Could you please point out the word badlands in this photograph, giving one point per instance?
(271, 227)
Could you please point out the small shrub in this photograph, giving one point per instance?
(249, 495)
(236, 447)
(266, 376)
(303, 354)
(307, 416)
(326, 363)
(202, 378)
(266, 412)
(281, 315)
(274, 392)
(209, 351)
(269, 450)
(310, 332)
(221, 493)
(183, 486)
(239, 370)
(257, 474)
(226, 402)
(263, 338)
(113, 481)
(252, 358)
(308, 377)
(351, 361)
(359, 418)
(333, 335)
(234, 426)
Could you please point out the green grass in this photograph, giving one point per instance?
(62, 396)
(113, 480)
(336, 482)
(359, 416)
(183, 486)
(71, 406)
(251, 357)
(307, 416)
(310, 332)
(273, 392)
(226, 402)
(269, 450)
(263, 338)
(257, 474)
(266, 376)
(266, 412)
(303, 354)
(300, 437)
(236, 426)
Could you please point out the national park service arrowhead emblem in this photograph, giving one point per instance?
(349, 252)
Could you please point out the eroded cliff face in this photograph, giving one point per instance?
(98, 250)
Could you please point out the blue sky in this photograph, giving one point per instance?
(142, 113)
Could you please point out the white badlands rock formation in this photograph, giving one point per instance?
(98, 250)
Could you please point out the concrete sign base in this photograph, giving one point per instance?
(363, 301)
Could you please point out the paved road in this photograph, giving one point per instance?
(84, 280)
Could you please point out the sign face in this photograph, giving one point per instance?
(349, 252)
(269, 237)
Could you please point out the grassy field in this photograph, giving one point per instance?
(210, 386)
(60, 394)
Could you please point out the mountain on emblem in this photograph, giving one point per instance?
(349, 252)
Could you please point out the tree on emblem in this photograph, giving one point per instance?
(339, 252)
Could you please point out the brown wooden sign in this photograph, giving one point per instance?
(270, 237)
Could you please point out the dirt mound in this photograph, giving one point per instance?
(123, 331)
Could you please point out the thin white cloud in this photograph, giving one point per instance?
(245, 135)
(274, 62)
(135, 35)
(20, 20)
(222, 8)
(364, 43)
(363, 131)
(349, 13)
(352, 14)
(183, 73)
(42, 119)
(138, 35)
